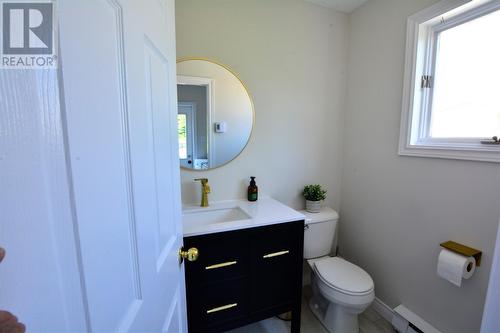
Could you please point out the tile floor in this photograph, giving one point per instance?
(369, 322)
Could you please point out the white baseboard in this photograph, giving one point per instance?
(384, 310)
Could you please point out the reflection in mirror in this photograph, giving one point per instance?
(215, 114)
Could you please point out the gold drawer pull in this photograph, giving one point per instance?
(224, 264)
(222, 308)
(275, 254)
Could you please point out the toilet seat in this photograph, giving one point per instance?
(343, 276)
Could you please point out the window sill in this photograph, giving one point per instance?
(477, 152)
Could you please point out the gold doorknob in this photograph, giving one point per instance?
(191, 254)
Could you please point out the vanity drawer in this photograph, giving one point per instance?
(277, 256)
(218, 304)
(222, 257)
(278, 243)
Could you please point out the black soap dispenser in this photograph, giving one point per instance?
(253, 190)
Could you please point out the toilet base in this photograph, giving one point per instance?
(335, 318)
(318, 311)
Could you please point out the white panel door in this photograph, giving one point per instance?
(119, 97)
(39, 278)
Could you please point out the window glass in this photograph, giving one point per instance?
(181, 126)
(466, 96)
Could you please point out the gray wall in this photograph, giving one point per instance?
(197, 95)
(396, 210)
(291, 55)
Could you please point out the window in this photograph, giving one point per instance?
(181, 128)
(451, 97)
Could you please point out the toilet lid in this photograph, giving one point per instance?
(344, 276)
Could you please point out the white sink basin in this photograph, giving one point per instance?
(231, 215)
(209, 216)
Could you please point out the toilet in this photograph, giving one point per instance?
(341, 290)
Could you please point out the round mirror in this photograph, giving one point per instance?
(215, 114)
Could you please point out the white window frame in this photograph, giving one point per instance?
(422, 30)
(209, 84)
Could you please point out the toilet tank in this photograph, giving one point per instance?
(319, 232)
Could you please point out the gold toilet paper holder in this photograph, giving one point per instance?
(463, 250)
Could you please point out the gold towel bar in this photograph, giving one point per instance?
(224, 264)
(221, 308)
(463, 250)
(275, 254)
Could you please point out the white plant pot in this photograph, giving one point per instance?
(313, 206)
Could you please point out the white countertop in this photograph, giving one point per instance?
(265, 211)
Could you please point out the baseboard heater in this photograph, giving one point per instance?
(405, 321)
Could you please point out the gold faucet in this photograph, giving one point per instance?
(205, 189)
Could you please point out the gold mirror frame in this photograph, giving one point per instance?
(182, 59)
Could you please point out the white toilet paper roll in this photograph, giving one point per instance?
(455, 267)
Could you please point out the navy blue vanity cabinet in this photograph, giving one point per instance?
(244, 276)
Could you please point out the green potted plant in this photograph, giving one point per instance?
(314, 195)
